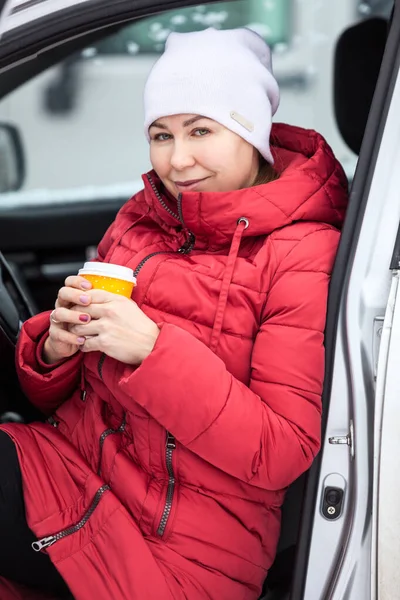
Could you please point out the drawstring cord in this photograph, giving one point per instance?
(242, 224)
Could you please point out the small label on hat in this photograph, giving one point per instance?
(242, 121)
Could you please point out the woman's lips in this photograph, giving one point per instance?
(189, 185)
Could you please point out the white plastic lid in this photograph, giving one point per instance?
(108, 270)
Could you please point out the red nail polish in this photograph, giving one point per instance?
(84, 318)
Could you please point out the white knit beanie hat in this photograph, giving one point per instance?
(223, 75)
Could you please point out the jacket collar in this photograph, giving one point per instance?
(312, 187)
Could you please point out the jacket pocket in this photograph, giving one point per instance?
(49, 540)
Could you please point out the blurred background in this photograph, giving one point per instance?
(81, 121)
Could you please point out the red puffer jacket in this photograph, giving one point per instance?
(166, 480)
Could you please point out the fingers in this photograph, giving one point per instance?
(70, 317)
(76, 281)
(63, 336)
(103, 297)
(109, 310)
(92, 344)
(75, 286)
(93, 328)
(68, 296)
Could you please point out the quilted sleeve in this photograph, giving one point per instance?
(46, 386)
(265, 434)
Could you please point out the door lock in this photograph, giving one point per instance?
(332, 503)
(333, 496)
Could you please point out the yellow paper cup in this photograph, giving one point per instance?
(109, 277)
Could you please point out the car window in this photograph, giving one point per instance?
(269, 19)
(81, 122)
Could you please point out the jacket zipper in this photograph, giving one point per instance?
(100, 365)
(188, 245)
(103, 438)
(145, 259)
(48, 541)
(180, 213)
(186, 248)
(169, 449)
(161, 201)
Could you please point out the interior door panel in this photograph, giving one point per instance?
(45, 244)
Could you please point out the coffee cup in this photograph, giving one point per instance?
(109, 277)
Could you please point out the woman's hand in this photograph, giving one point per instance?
(61, 343)
(117, 327)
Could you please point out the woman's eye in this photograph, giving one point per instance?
(162, 137)
(201, 131)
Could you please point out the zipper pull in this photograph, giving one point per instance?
(51, 420)
(170, 441)
(122, 427)
(44, 543)
(188, 245)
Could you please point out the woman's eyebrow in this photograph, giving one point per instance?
(159, 125)
(185, 123)
(193, 120)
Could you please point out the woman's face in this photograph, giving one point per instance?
(193, 153)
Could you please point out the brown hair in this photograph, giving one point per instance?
(266, 172)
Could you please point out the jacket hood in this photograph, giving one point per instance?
(312, 187)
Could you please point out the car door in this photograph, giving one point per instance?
(359, 452)
(385, 522)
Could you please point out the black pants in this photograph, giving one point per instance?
(18, 561)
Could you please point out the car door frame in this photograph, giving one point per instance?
(349, 371)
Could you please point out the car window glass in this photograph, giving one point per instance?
(81, 122)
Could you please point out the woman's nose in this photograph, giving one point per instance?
(181, 157)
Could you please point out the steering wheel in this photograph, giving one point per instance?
(15, 308)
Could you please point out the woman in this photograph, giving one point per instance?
(181, 416)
